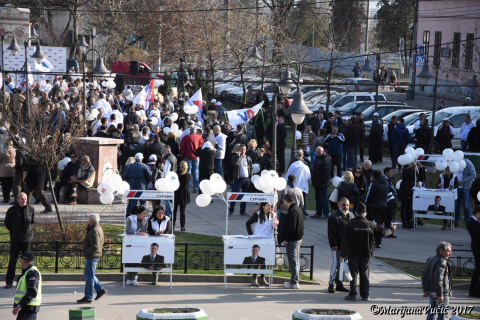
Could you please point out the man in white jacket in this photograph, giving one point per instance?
(301, 170)
(222, 144)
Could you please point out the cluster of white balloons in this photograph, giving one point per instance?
(336, 181)
(93, 115)
(158, 82)
(214, 185)
(173, 128)
(109, 187)
(168, 184)
(410, 155)
(454, 160)
(190, 109)
(63, 163)
(298, 135)
(268, 181)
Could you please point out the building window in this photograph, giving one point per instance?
(426, 41)
(469, 51)
(438, 45)
(457, 37)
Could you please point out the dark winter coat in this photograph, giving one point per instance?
(321, 171)
(19, 221)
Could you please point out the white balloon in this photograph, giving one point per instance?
(280, 184)
(273, 174)
(398, 184)
(263, 182)
(478, 195)
(123, 186)
(178, 133)
(408, 158)
(203, 200)
(264, 172)
(174, 127)
(107, 198)
(458, 156)
(162, 185)
(401, 160)
(448, 154)
(172, 181)
(154, 120)
(194, 109)
(174, 185)
(174, 116)
(91, 116)
(115, 180)
(256, 168)
(257, 184)
(187, 109)
(220, 186)
(105, 189)
(254, 178)
(298, 135)
(440, 165)
(207, 187)
(61, 164)
(411, 152)
(166, 130)
(419, 152)
(454, 167)
(269, 190)
(336, 181)
(462, 164)
(215, 177)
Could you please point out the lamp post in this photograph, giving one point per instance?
(14, 48)
(298, 109)
(369, 68)
(424, 76)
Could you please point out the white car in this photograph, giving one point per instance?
(358, 84)
(456, 115)
(343, 98)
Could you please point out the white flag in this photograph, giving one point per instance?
(45, 65)
(196, 99)
(240, 116)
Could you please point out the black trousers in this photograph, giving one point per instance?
(406, 211)
(378, 215)
(361, 146)
(336, 161)
(389, 214)
(359, 267)
(475, 283)
(38, 194)
(56, 190)
(182, 215)
(7, 183)
(281, 160)
(26, 314)
(256, 267)
(15, 249)
(375, 149)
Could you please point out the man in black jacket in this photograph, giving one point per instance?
(360, 122)
(19, 221)
(67, 173)
(336, 227)
(390, 128)
(131, 148)
(358, 246)
(422, 136)
(377, 201)
(353, 137)
(437, 278)
(155, 147)
(207, 155)
(473, 227)
(242, 172)
(321, 181)
(375, 140)
(18, 179)
(292, 239)
(34, 180)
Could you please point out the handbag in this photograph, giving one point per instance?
(334, 196)
(345, 275)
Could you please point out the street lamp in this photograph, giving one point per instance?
(425, 76)
(369, 68)
(14, 48)
(33, 32)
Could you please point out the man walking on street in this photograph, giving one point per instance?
(321, 181)
(19, 221)
(437, 279)
(352, 142)
(336, 227)
(360, 122)
(399, 140)
(28, 295)
(297, 195)
(292, 236)
(242, 172)
(358, 247)
(92, 251)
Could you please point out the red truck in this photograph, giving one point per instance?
(135, 72)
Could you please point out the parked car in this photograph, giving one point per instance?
(352, 108)
(352, 96)
(456, 115)
(382, 110)
(313, 87)
(358, 84)
(409, 115)
(231, 85)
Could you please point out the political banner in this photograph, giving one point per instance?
(250, 197)
(241, 250)
(197, 100)
(148, 251)
(433, 200)
(236, 117)
(148, 195)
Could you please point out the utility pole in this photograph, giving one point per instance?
(366, 26)
(413, 69)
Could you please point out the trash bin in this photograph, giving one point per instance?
(410, 94)
(82, 313)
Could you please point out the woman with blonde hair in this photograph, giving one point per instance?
(252, 150)
(348, 189)
(7, 169)
(173, 143)
(182, 195)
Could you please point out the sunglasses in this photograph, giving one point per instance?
(358, 172)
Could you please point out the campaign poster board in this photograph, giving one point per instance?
(148, 195)
(137, 249)
(424, 200)
(238, 250)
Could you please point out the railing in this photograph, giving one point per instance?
(461, 266)
(58, 255)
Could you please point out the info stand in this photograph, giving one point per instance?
(136, 249)
(238, 248)
(424, 200)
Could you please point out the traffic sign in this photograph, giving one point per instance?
(420, 60)
(331, 45)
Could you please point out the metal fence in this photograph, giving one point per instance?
(58, 255)
(461, 266)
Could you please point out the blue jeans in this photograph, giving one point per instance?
(133, 203)
(240, 183)
(462, 196)
(193, 170)
(304, 203)
(293, 255)
(464, 145)
(218, 166)
(321, 200)
(351, 157)
(91, 282)
(168, 208)
(433, 304)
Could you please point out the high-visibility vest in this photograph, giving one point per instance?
(21, 289)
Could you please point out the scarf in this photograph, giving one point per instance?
(291, 184)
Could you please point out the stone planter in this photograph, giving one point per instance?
(326, 314)
(473, 315)
(82, 313)
(171, 313)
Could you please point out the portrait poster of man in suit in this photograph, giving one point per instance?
(256, 262)
(153, 260)
(436, 206)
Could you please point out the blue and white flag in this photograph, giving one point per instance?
(240, 116)
(45, 66)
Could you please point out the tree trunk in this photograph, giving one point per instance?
(60, 222)
(212, 74)
(73, 48)
(244, 101)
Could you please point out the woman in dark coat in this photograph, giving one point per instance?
(173, 143)
(360, 182)
(405, 194)
(348, 189)
(444, 136)
(182, 195)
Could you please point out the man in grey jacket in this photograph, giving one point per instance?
(465, 179)
(437, 278)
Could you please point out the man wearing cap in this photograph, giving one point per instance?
(138, 176)
(67, 173)
(358, 246)
(468, 102)
(19, 221)
(28, 295)
(376, 140)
